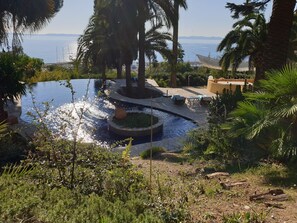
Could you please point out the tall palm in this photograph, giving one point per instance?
(279, 29)
(245, 40)
(126, 26)
(176, 5)
(293, 41)
(96, 45)
(271, 114)
(111, 37)
(24, 15)
(162, 11)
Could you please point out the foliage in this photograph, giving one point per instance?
(13, 147)
(10, 76)
(52, 74)
(245, 40)
(223, 104)
(110, 39)
(21, 16)
(156, 41)
(35, 198)
(268, 116)
(3, 129)
(247, 217)
(136, 120)
(155, 151)
(216, 143)
(186, 75)
(28, 66)
(56, 72)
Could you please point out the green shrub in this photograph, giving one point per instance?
(13, 148)
(155, 151)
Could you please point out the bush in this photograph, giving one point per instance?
(155, 151)
(13, 148)
(23, 197)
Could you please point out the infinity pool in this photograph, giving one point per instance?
(94, 126)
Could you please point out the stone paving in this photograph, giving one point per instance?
(197, 114)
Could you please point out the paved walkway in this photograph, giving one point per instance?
(197, 114)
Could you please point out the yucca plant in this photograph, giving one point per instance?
(269, 116)
(3, 127)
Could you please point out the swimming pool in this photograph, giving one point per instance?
(94, 126)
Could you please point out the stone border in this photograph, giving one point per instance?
(134, 132)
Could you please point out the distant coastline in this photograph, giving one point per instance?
(60, 48)
(74, 35)
(202, 37)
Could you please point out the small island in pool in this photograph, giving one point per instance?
(134, 123)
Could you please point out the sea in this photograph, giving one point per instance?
(59, 48)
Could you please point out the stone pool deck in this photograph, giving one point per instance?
(197, 114)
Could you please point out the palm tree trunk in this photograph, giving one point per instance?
(174, 46)
(128, 77)
(119, 68)
(279, 29)
(141, 65)
(258, 63)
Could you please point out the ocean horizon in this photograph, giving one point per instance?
(58, 48)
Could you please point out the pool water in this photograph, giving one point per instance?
(94, 127)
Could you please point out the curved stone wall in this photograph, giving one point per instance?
(134, 132)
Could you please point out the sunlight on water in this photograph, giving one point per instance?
(78, 120)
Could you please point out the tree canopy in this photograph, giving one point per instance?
(19, 16)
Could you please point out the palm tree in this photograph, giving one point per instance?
(162, 11)
(24, 15)
(245, 40)
(293, 41)
(279, 29)
(94, 46)
(270, 114)
(110, 40)
(176, 5)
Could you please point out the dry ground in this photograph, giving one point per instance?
(207, 201)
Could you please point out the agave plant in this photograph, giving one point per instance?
(269, 116)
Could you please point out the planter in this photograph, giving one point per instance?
(134, 132)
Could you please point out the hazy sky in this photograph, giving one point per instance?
(203, 18)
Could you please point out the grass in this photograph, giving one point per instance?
(136, 120)
(208, 202)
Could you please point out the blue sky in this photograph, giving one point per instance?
(203, 18)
